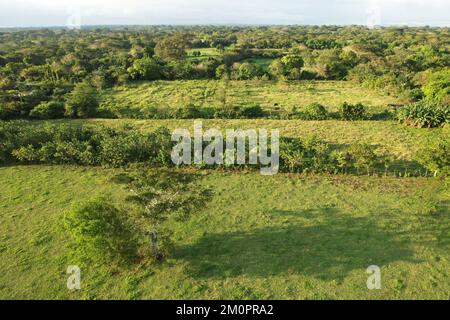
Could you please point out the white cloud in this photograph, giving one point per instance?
(56, 12)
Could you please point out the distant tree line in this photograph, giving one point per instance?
(48, 68)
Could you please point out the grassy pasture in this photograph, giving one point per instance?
(263, 62)
(281, 237)
(205, 53)
(269, 94)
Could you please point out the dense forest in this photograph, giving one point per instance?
(54, 73)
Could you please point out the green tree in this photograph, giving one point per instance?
(222, 71)
(435, 156)
(293, 61)
(277, 69)
(159, 196)
(438, 86)
(145, 69)
(249, 71)
(82, 102)
(171, 48)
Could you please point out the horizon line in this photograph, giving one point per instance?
(231, 24)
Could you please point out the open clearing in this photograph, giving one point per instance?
(281, 237)
(269, 94)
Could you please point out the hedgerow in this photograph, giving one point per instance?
(21, 142)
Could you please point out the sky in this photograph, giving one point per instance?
(75, 13)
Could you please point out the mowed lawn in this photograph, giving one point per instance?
(280, 237)
(269, 94)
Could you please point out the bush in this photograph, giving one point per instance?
(252, 112)
(315, 111)
(298, 155)
(10, 110)
(153, 112)
(48, 110)
(65, 144)
(353, 111)
(190, 112)
(121, 149)
(362, 156)
(435, 156)
(100, 232)
(438, 86)
(424, 114)
(226, 112)
(248, 71)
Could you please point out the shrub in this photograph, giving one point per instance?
(10, 110)
(222, 71)
(153, 112)
(435, 156)
(353, 111)
(161, 147)
(424, 114)
(100, 232)
(56, 145)
(145, 69)
(48, 110)
(362, 156)
(121, 149)
(298, 155)
(248, 71)
(189, 112)
(340, 161)
(252, 111)
(226, 112)
(315, 111)
(65, 144)
(438, 87)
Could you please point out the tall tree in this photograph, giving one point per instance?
(172, 48)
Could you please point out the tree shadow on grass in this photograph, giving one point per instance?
(325, 244)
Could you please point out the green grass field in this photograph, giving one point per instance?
(205, 53)
(269, 94)
(262, 62)
(288, 236)
(281, 237)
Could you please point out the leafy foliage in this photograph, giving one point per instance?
(435, 156)
(65, 144)
(424, 114)
(48, 110)
(353, 111)
(159, 196)
(438, 86)
(82, 102)
(315, 111)
(363, 156)
(100, 232)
